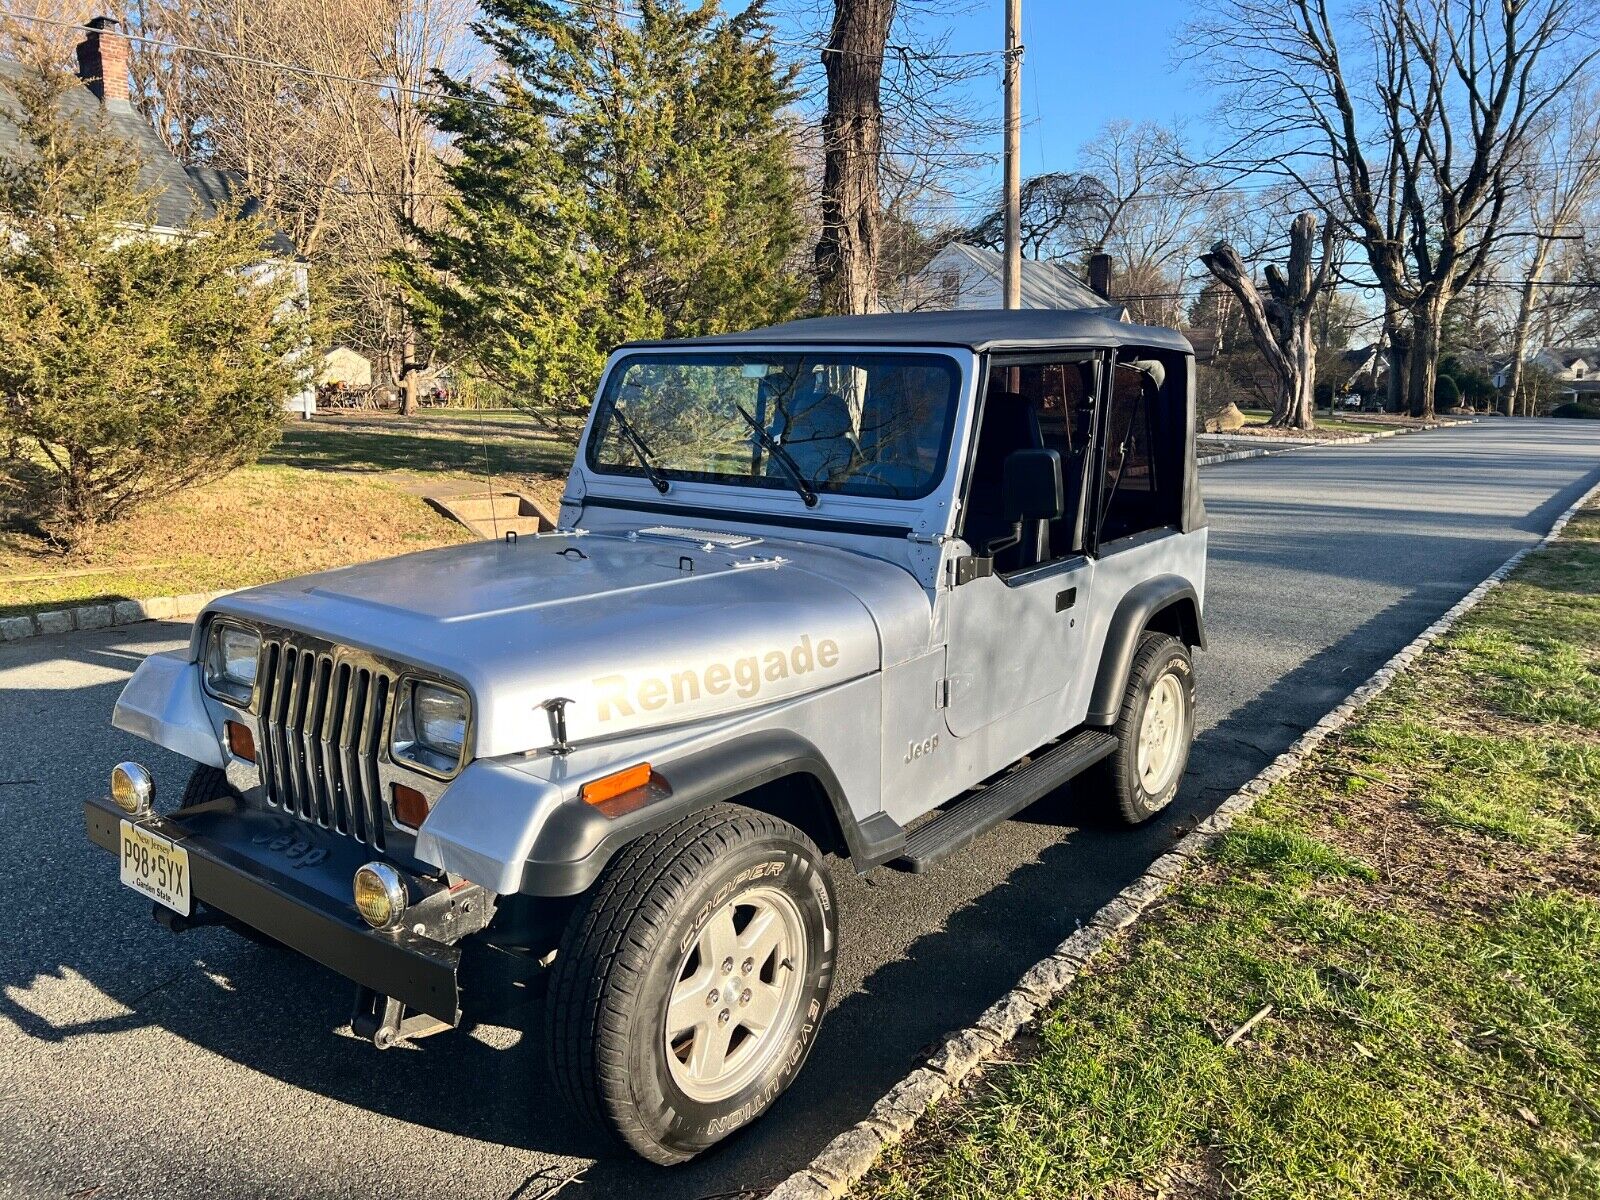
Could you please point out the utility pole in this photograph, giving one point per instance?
(1013, 154)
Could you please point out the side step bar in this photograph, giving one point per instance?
(965, 820)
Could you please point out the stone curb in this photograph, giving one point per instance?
(1284, 445)
(106, 614)
(846, 1160)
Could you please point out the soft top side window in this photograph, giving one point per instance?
(1031, 405)
(1141, 472)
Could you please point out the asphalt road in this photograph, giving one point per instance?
(134, 1063)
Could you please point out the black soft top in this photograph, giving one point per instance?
(977, 329)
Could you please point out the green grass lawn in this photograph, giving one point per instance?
(456, 442)
(335, 490)
(1420, 907)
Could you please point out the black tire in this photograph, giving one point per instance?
(205, 783)
(619, 959)
(1126, 798)
(209, 783)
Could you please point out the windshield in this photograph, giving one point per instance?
(851, 423)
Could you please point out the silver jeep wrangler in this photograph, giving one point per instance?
(863, 587)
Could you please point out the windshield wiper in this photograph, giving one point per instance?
(790, 467)
(641, 451)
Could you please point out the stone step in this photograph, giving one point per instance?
(491, 516)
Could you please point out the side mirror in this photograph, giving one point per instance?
(1031, 487)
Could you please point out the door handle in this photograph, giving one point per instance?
(1066, 599)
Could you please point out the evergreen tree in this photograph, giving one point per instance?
(618, 178)
(131, 365)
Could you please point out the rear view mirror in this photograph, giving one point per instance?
(1031, 487)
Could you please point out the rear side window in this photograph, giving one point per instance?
(1135, 493)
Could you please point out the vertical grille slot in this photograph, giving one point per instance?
(322, 722)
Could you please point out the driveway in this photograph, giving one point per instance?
(135, 1063)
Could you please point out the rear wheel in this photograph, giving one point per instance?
(687, 992)
(1154, 730)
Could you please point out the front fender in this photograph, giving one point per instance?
(511, 831)
(163, 704)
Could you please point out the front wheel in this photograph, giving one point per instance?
(1154, 730)
(687, 992)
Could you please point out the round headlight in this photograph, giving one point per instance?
(380, 895)
(131, 788)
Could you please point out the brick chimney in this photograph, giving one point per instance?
(1100, 275)
(103, 63)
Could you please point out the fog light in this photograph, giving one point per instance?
(380, 895)
(131, 789)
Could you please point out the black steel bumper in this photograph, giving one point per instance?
(291, 881)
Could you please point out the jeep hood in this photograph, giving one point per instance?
(637, 631)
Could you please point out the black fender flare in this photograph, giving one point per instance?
(1144, 603)
(573, 846)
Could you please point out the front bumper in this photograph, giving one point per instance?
(291, 881)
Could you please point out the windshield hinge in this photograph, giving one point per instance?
(927, 539)
(941, 694)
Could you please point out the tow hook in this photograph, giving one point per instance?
(381, 1020)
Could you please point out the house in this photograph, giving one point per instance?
(178, 193)
(967, 276)
(1575, 370)
(346, 366)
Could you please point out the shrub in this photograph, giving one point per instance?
(1582, 410)
(1446, 395)
(130, 366)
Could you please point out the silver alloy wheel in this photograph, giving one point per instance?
(1160, 733)
(735, 995)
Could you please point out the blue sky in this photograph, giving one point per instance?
(1087, 62)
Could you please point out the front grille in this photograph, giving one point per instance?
(323, 718)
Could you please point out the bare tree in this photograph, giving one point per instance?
(1560, 182)
(1064, 215)
(1420, 110)
(320, 107)
(1281, 322)
(1155, 207)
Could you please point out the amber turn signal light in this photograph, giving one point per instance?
(410, 806)
(609, 787)
(241, 742)
(624, 791)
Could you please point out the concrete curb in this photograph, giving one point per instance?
(106, 614)
(846, 1159)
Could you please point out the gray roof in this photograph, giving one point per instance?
(1044, 284)
(976, 329)
(178, 193)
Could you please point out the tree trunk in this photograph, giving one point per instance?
(1280, 324)
(1519, 332)
(1399, 381)
(852, 140)
(1426, 320)
(408, 373)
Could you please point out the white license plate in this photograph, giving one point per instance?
(155, 866)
